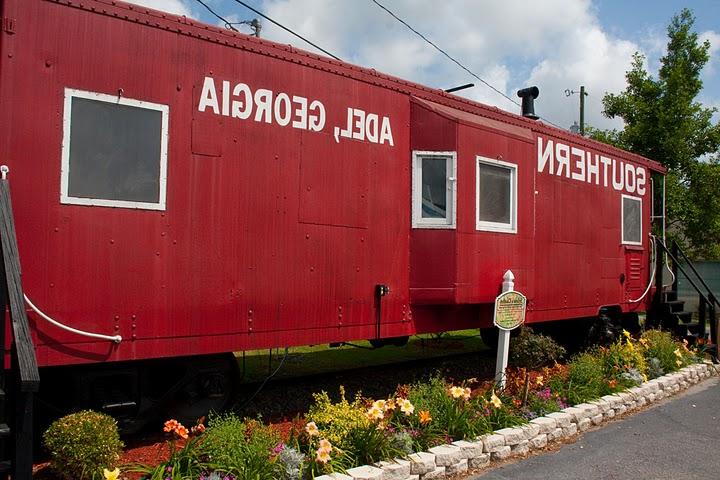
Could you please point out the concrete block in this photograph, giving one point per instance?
(438, 472)
(546, 424)
(556, 434)
(576, 413)
(539, 441)
(446, 455)
(492, 442)
(479, 462)
(397, 469)
(421, 463)
(366, 472)
(457, 468)
(513, 436)
(531, 430)
(469, 449)
(522, 448)
(584, 424)
(501, 453)
(610, 414)
(570, 430)
(597, 419)
(334, 476)
(562, 419)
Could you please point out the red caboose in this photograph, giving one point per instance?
(197, 192)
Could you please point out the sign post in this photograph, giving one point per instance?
(509, 314)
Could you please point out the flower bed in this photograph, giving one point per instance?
(453, 426)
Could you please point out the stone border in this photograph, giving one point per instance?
(456, 458)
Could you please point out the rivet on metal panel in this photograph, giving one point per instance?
(307, 236)
(134, 337)
(357, 269)
(312, 269)
(48, 63)
(52, 285)
(133, 317)
(157, 254)
(134, 326)
(112, 242)
(162, 234)
(117, 318)
(178, 88)
(57, 229)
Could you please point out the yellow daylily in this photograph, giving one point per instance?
(111, 475)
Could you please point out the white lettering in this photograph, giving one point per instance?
(562, 153)
(208, 97)
(226, 98)
(545, 157)
(630, 174)
(593, 169)
(300, 120)
(371, 127)
(359, 124)
(386, 132)
(263, 101)
(237, 107)
(641, 181)
(317, 120)
(282, 101)
(618, 183)
(579, 164)
(606, 162)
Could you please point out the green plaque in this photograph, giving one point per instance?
(509, 310)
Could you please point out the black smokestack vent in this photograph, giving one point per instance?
(528, 96)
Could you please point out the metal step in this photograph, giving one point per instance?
(4, 430)
(675, 305)
(684, 316)
(5, 466)
(669, 295)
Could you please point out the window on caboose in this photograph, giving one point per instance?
(631, 220)
(433, 190)
(496, 187)
(114, 151)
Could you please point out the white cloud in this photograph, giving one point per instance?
(560, 44)
(714, 39)
(178, 7)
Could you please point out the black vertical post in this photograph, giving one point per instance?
(714, 326)
(582, 110)
(701, 315)
(675, 268)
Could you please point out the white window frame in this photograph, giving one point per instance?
(484, 225)
(622, 220)
(65, 197)
(449, 222)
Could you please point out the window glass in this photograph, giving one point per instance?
(632, 220)
(114, 151)
(434, 187)
(496, 202)
(495, 191)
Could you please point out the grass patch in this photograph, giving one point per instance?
(321, 359)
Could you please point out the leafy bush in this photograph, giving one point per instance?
(661, 346)
(335, 420)
(585, 379)
(533, 350)
(82, 444)
(243, 448)
(623, 356)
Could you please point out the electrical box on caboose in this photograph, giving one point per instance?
(181, 190)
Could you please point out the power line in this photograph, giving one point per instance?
(448, 55)
(286, 29)
(227, 24)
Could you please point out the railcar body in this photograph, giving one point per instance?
(199, 191)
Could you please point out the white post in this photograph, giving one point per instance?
(503, 350)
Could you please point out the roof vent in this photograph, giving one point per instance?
(528, 96)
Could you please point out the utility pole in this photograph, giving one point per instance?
(582, 93)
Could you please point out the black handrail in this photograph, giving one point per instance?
(676, 263)
(711, 295)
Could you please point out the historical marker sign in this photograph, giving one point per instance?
(509, 310)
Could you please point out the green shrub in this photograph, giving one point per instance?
(242, 448)
(533, 350)
(585, 379)
(662, 346)
(82, 444)
(623, 356)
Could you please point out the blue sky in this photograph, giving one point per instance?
(554, 44)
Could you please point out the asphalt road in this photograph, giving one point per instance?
(679, 438)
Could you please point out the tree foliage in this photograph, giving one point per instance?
(664, 122)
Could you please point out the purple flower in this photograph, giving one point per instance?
(278, 448)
